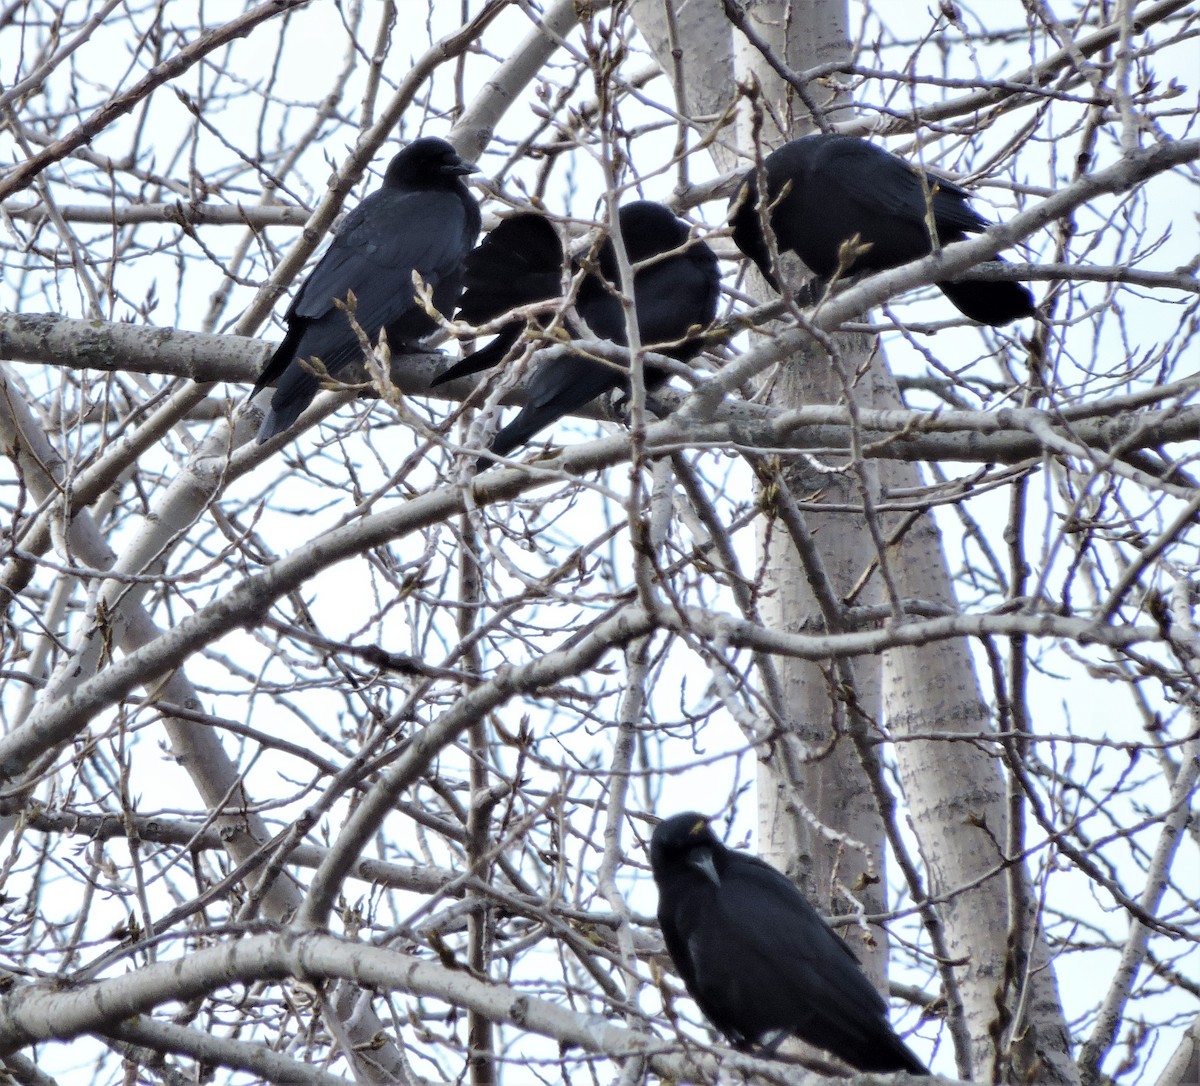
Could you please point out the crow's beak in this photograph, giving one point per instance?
(701, 859)
(457, 169)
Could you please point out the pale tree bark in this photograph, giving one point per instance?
(414, 776)
(956, 798)
(694, 48)
(1184, 1068)
(817, 817)
(956, 795)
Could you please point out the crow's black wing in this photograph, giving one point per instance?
(373, 255)
(675, 295)
(382, 241)
(793, 971)
(484, 358)
(519, 262)
(764, 960)
(881, 183)
(558, 387)
(890, 193)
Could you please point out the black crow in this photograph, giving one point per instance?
(842, 186)
(519, 262)
(422, 219)
(756, 957)
(672, 296)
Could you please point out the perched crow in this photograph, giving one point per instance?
(840, 186)
(423, 219)
(756, 957)
(520, 263)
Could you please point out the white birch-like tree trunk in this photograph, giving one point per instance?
(956, 797)
(819, 816)
(319, 761)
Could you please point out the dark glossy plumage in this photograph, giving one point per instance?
(842, 186)
(757, 958)
(519, 262)
(671, 296)
(422, 219)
